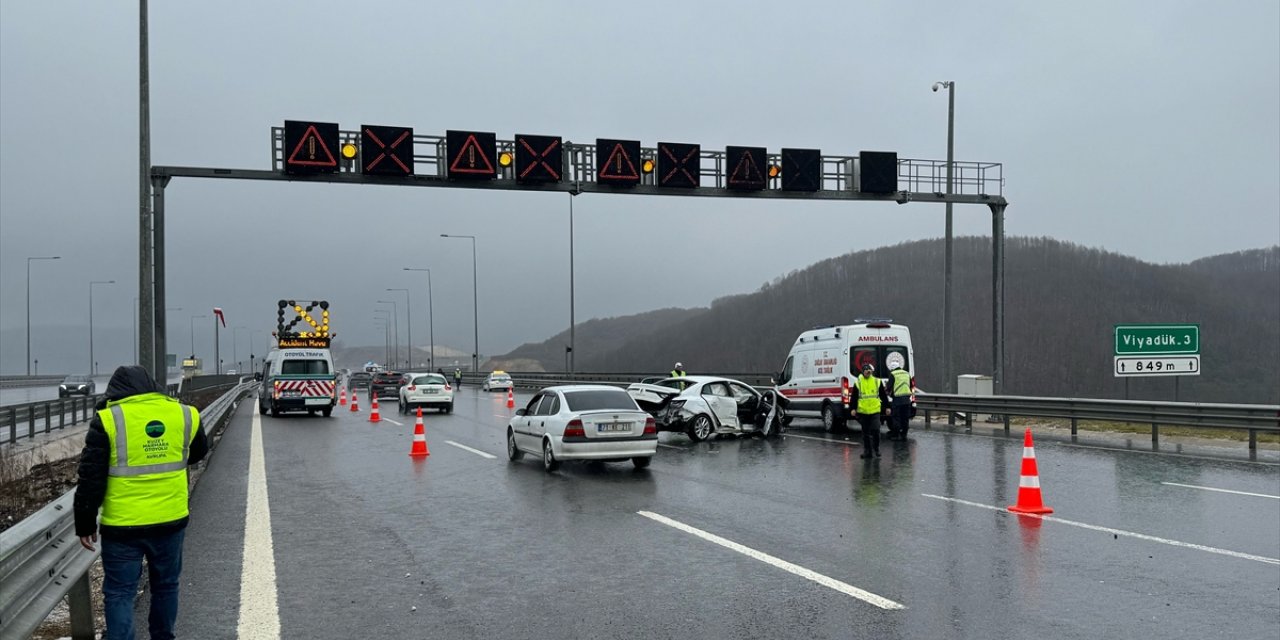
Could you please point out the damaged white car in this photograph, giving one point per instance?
(705, 406)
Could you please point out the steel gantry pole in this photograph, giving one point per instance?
(93, 368)
(431, 322)
(408, 317)
(146, 283)
(997, 297)
(29, 304)
(475, 301)
(947, 335)
(572, 321)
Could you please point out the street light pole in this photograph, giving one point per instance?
(29, 304)
(395, 314)
(193, 334)
(475, 301)
(408, 316)
(431, 323)
(948, 378)
(572, 322)
(92, 362)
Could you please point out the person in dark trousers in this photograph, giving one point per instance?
(134, 468)
(871, 400)
(900, 409)
(457, 378)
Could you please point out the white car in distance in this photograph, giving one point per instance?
(498, 380)
(582, 422)
(427, 390)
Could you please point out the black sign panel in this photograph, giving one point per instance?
(679, 164)
(618, 162)
(539, 158)
(386, 151)
(879, 171)
(746, 167)
(801, 169)
(471, 154)
(310, 147)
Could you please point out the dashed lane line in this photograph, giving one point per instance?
(830, 583)
(1118, 532)
(475, 451)
(1238, 493)
(259, 613)
(395, 422)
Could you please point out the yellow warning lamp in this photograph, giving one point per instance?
(349, 150)
(505, 158)
(647, 166)
(774, 171)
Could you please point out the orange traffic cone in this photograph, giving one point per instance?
(419, 449)
(355, 406)
(373, 411)
(342, 397)
(511, 400)
(1029, 499)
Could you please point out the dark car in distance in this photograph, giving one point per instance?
(77, 385)
(359, 380)
(385, 384)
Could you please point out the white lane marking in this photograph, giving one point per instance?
(396, 423)
(259, 614)
(830, 583)
(475, 451)
(1118, 532)
(501, 415)
(829, 440)
(1239, 493)
(670, 446)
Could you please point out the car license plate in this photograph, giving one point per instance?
(311, 401)
(612, 427)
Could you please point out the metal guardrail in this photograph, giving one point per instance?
(41, 560)
(29, 381)
(1253, 418)
(43, 416)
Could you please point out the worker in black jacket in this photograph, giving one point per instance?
(134, 468)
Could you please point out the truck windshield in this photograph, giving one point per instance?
(304, 367)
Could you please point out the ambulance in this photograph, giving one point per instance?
(819, 378)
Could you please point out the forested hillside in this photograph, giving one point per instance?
(1061, 303)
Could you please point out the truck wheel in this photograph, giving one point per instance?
(327, 411)
(275, 413)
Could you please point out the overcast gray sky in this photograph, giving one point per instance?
(1150, 129)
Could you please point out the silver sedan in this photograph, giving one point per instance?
(582, 422)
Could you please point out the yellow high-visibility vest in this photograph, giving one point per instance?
(150, 437)
(901, 383)
(868, 395)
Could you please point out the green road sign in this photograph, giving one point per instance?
(1157, 339)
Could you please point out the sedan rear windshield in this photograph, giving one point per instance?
(304, 367)
(386, 378)
(429, 379)
(597, 399)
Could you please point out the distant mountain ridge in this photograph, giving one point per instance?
(1061, 302)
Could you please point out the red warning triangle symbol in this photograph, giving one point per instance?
(619, 165)
(312, 151)
(746, 172)
(472, 159)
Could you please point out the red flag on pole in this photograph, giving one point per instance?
(217, 312)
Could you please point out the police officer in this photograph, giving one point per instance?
(900, 391)
(457, 377)
(871, 397)
(134, 467)
(678, 372)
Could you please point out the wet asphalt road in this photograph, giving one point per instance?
(485, 548)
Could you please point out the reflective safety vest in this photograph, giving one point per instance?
(677, 373)
(868, 395)
(150, 437)
(901, 383)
